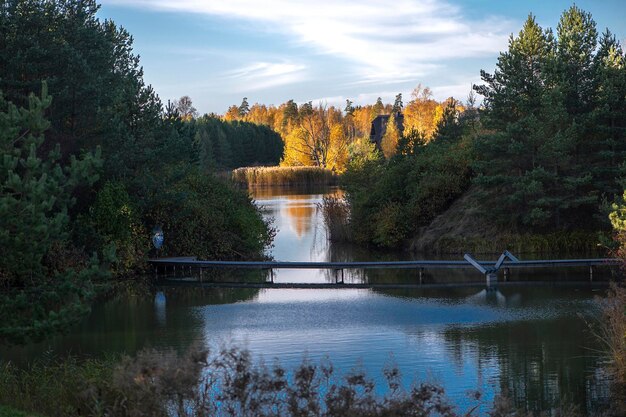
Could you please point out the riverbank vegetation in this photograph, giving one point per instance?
(284, 176)
(93, 161)
(543, 156)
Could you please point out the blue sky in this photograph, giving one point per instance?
(218, 51)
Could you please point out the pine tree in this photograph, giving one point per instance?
(37, 193)
(397, 104)
(244, 108)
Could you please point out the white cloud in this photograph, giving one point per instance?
(401, 40)
(262, 75)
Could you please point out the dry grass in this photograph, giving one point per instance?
(612, 332)
(309, 176)
(336, 213)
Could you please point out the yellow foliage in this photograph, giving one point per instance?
(232, 113)
(296, 151)
(389, 143)
(338, 150)
(422, 115)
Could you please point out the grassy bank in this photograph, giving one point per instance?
(309, 176)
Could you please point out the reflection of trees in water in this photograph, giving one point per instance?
(537, 361)
(300, 215)
(129, 324)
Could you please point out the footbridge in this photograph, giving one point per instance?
(191, 267)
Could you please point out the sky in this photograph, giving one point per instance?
(327, 51)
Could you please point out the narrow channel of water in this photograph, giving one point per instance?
(528, 341)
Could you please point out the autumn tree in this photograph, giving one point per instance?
(422, 113)
(378, 108)
(391, 138)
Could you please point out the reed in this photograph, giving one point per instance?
(286, 176)
(612, 332)
(336, 212)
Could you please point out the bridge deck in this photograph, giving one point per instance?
(349, 285)
(190, 262)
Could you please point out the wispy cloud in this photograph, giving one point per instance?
(400, 40)
(262, 75)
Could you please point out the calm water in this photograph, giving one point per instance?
(529, 341)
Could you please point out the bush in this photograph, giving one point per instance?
(207, 217)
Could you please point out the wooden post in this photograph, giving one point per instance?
(201, 274)
(507, 271)
(590, 273)
(421, 276)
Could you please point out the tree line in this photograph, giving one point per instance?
(329, 136)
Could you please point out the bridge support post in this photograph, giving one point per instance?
(507, 271)
(491, 278)
(421, 276)
(591, 273)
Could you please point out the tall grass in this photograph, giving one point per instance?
(336, 212)
(613, 334)
(310, 176)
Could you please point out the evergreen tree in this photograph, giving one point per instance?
(349, 108)
(545, 160)
(45, 291)
(244, 108)
(397, 104)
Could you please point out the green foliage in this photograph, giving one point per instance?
(233, 144)
(115, 218)
(43, 294)
(204, 216)
(11, 412)
(554, 108)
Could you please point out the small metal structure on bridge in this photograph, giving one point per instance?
(490, 270)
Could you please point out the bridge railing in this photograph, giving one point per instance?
(489, 269)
